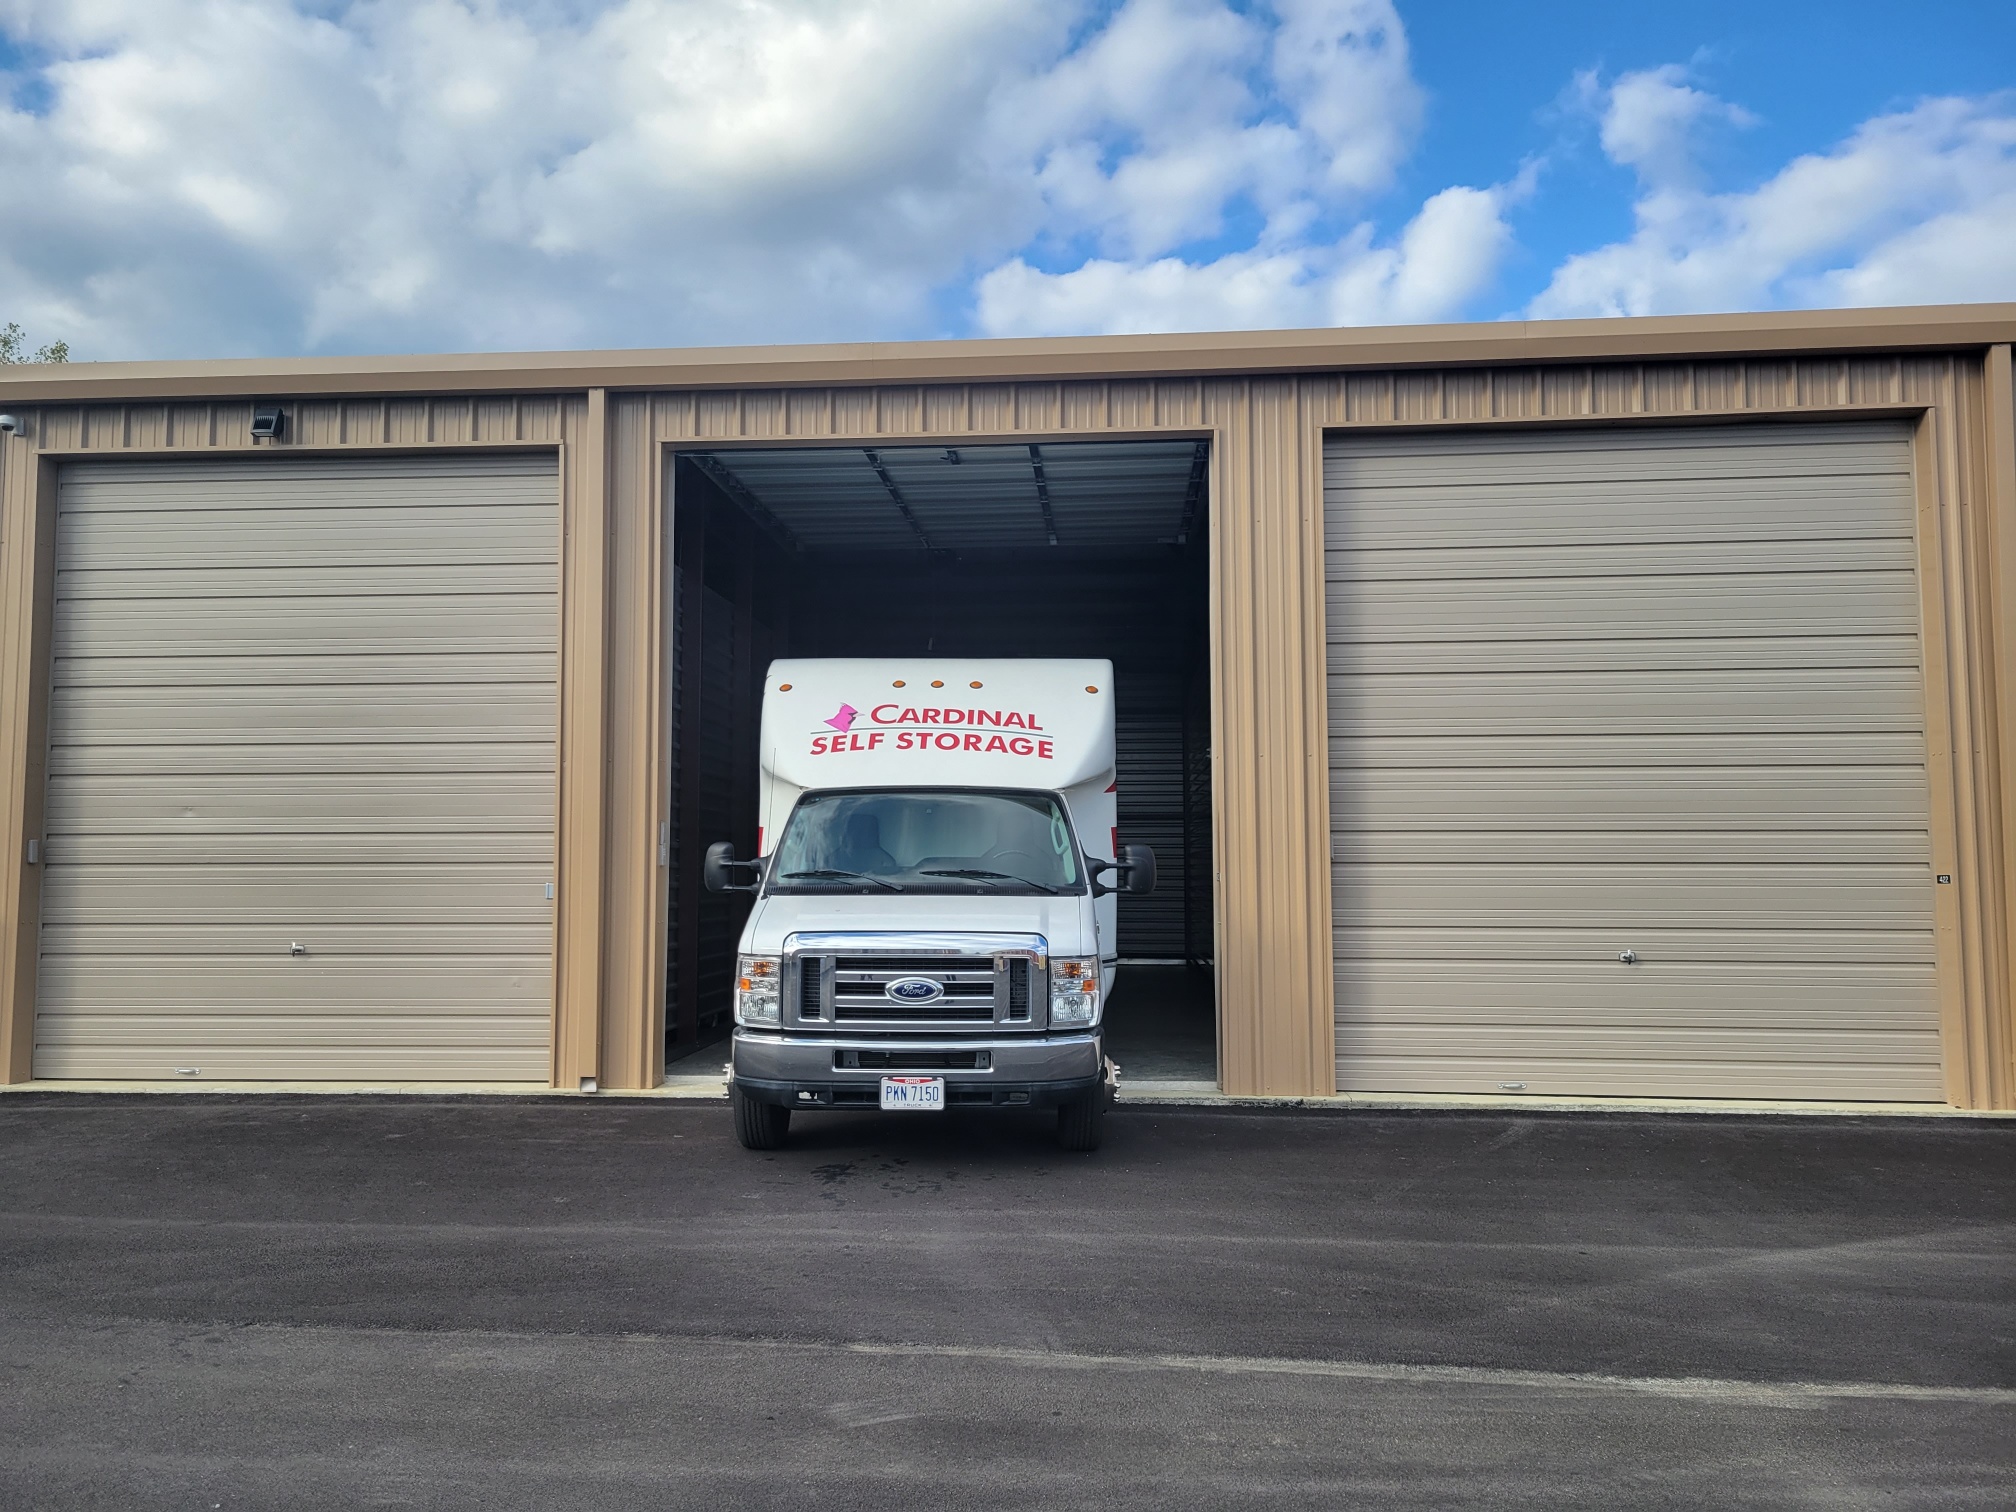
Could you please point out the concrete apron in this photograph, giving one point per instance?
(712, 1087)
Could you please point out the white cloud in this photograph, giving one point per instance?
(1957, 258)
(1650, 120)
(1915, 207)
(240, 175)
(1179, 109)
(1240, 291)
(220, 175)
(1343, 66)
(1446, 256)
(1299, 125)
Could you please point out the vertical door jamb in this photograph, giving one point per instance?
(27, 597)
(1930, 487)
(581, 909)
(1998, 635)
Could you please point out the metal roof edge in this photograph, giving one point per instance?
(1025, 359)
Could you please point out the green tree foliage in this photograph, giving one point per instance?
(12, 338)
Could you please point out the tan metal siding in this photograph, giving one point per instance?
(1999, 570)
(637, 917)
(1926, 365)
(302, 700)
(1271, 884)
(1644, 689)
(584, 751)
(27, 557)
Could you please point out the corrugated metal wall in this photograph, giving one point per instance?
(1198, 926)
(1149, 754)
(1270, 759)
(1274, 976)
(715, 751)
(731, 615)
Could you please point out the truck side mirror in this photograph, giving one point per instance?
(720, 862)
(1136, 867)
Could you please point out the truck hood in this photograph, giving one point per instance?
(1065, 922)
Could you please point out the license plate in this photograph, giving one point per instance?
(914, 1094)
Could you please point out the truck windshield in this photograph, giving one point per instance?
(927, 841)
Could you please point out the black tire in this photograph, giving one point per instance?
(759, 1125)
(1081, 1123)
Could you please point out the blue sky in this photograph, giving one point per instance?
(221, 177)
(1809, 72)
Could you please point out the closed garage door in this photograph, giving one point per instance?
(302, 771)
(1645, 692)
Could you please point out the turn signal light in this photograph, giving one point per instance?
(756, 995)
(1074, 992)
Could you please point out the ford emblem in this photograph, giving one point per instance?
(914, 990)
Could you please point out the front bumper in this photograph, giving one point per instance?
(840, 1071)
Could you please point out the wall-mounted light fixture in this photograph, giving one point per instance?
(269, 422)
(11, 425)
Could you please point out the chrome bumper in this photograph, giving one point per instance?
(807, 1071)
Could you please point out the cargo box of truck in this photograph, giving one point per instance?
(934, 922)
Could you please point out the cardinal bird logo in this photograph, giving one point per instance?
(844, 720)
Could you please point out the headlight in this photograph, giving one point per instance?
(1074, 992)
(757, 979)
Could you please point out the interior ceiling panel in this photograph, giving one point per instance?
(1111, 495)
(824, 498)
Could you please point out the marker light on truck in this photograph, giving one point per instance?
(756, 989)
(1074, 992)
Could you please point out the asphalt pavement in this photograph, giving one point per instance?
(210, 1302)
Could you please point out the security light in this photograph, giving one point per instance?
(269, 422)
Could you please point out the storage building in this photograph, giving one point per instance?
(1594, 709)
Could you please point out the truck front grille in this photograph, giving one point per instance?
(858, 983)
(912, 1060)
(1018, 989)
(881, 1010)
(850, 989)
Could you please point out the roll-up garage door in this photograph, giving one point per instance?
(303, 735)
(1628, 764)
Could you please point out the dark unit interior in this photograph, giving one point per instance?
(1094, 549)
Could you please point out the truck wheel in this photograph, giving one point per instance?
(759, 1125)
(1081, 1124)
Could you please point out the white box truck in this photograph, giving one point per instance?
(934, 920)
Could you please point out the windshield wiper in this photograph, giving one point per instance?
(994, 876)
(828, 874)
